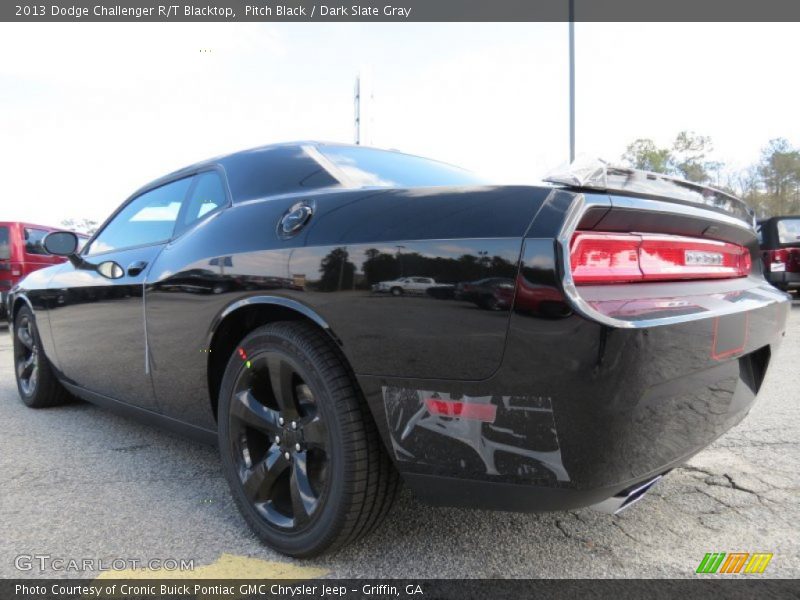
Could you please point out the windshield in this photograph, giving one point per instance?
(5, 250)
(368, 167)
(789, 231)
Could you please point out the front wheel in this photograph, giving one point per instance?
(37, 384)
(396, 291)
(299, 448)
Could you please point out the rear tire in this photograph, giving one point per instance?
(396, 291)
(305, 465)
(37, 384)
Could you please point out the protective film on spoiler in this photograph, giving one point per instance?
(490, 435)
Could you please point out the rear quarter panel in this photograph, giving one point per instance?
(354, 239)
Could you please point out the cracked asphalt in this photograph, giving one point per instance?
(80, 482)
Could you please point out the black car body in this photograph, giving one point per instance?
(508, 409)
(494, 293)
(779, 238)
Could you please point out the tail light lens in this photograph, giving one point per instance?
(461, 410)
(625, 257)
(787, 258)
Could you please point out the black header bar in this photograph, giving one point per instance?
(400, 10)
(735, 588)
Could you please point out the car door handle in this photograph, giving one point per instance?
(136, 267)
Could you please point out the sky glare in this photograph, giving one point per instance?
(89, 112)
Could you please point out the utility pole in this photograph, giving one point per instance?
(571, 80)
(357, 101)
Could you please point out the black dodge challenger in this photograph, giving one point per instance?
(232, 301)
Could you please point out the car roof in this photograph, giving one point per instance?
(778, 218)
(232, 156)
(289, 167)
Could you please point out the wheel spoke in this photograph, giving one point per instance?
(25, 367)
(304, 501)
(280, 376)
(34, 379)
(315, 434)
(24, 336)
(248, 409)
(258, 481)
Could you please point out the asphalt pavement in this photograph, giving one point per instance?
(81, 483)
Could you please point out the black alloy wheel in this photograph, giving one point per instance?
(37, 384)
(299, 448)
(26, 355)
(279, 440)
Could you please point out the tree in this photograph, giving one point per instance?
(88, 226)
(337, 271)
(380, 266)
(771, 187)
(643, 154)
(780, 175)
(686, 157)
(746, 184)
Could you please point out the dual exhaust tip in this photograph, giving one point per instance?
(626, 498)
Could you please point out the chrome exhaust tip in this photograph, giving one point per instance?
(626, 498)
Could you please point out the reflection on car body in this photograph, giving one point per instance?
(408, 285)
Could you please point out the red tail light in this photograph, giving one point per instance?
(789, 258)
(461, 410)
(626, 257)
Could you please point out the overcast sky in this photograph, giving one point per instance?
(91, 111)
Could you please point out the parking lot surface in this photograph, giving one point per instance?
(79, 482)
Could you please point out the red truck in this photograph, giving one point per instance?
(22, 252)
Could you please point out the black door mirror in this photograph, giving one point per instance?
(61, 243)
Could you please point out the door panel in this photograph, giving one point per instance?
(98, 328)
(98, 323)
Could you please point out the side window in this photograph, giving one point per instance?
(33, 241)
(5, 247)
(207, 196)
(148, 219)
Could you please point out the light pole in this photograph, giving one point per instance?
(358, 109)
(571, 80)
(400, 258)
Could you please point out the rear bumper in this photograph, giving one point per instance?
(438, 490)
(585, 410)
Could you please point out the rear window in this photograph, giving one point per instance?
(33, 241)
(368, 167)
(5, 249)
(789, 231)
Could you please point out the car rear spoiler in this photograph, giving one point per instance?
(597, 175)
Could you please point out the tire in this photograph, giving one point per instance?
(37, 384)
(396, 291)
(320, 485)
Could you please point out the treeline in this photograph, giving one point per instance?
(771, 186)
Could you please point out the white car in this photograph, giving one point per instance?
(406, 285)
